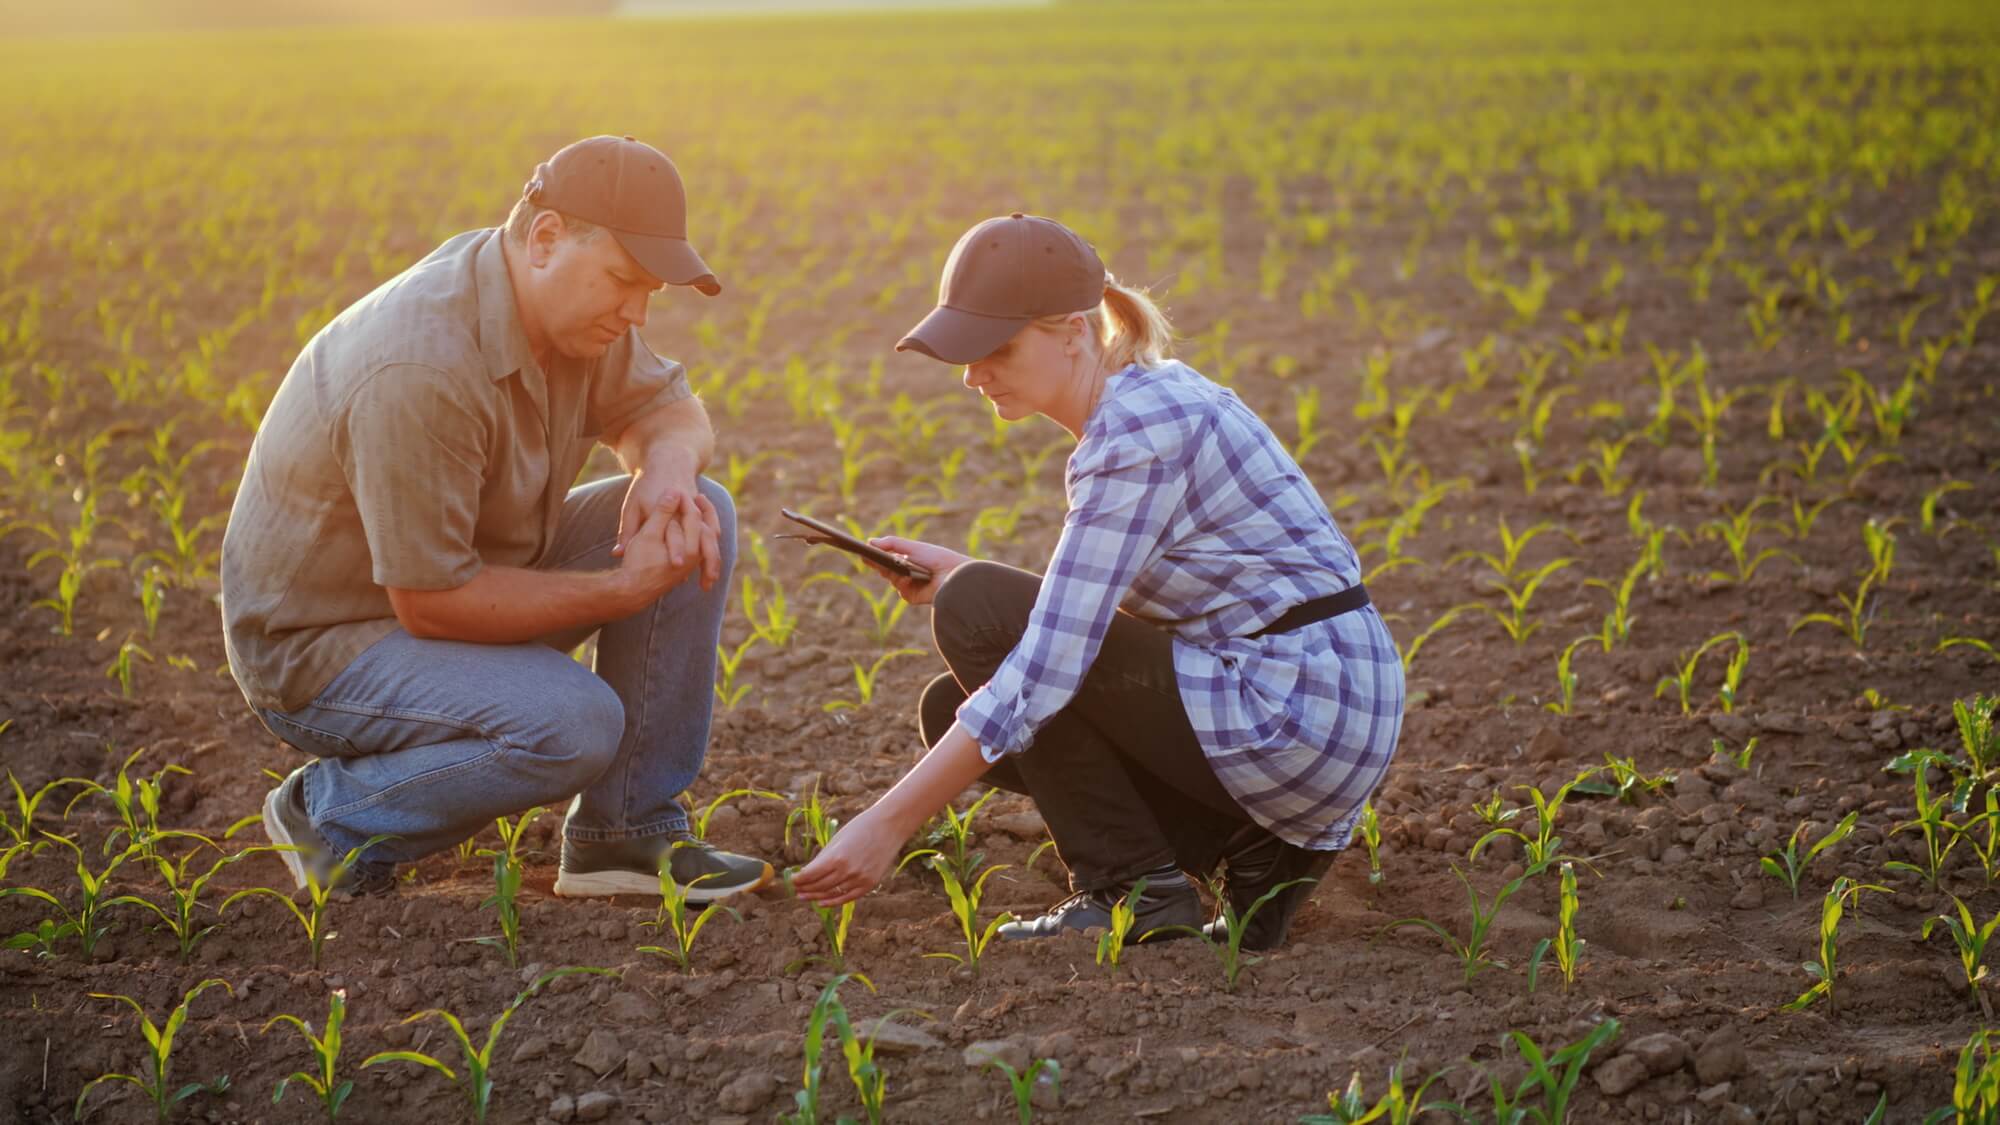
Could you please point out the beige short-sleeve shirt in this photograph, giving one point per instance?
(413, 442)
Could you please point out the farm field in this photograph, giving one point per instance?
(1643, 355)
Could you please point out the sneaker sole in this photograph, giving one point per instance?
(602, 884)
(274, 830)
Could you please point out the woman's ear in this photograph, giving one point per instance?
(1074, 330)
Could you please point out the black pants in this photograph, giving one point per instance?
(1118, 773)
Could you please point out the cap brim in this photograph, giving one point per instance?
(672, 260)
(955, 336)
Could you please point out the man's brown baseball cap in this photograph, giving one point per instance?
(631, 189)
(1002, 274)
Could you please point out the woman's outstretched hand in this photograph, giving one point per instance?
(852, 863)
(940, 561)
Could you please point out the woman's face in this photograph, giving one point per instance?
(1031, 372)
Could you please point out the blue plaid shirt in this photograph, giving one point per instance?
(1184, 510)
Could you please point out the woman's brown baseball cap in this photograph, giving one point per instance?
(631, 189)
(1002, 274)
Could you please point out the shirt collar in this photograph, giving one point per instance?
(503, 343)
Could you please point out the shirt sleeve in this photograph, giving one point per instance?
(630, 381)
(1122, 495)
(412, 443)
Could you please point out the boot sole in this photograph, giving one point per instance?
(603, 884)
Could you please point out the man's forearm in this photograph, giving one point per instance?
(508, 605)
(674, 439)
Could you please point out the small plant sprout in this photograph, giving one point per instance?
(1567, 947)
(1396, 1106)
(477, 1081)
(1978, 736)
(1124, 912)
(833, 922)
(1541, 849)
(698, 824)
(507, 872)
(1471, 952)
(21, 826)
(1552, 1075)
(727, 691)
(87, 923)
(123, 670)
(1986, 844)
(1566, 679)
(312, 917)
(1370, 828)
(965, 908)
(1823, 970)
(137, 800)
(321, 1080)
(1683, 679)
(871, 1082)
(184, 889)
(1970, 937)
(1882, 554)
(1788, 866)
(1229, 948)
(1740, 758)
(866, 679)
(1024, 1082)
(673, 919)
(823, 1016)
(159, 1055)
(1932, 821)
(1628, 781)
(1975, 1088)
(949, 839)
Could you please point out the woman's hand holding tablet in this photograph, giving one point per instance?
(914, 567)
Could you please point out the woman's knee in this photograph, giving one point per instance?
(979, 606)
(937, 708)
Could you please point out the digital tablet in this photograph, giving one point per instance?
(830, 536)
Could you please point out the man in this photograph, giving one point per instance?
(406, 568)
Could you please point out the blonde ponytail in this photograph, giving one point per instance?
(1129, 327)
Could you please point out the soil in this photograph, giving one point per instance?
(1685, 937)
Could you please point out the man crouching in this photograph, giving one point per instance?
(406, 567)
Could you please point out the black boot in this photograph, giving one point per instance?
(1174, 903)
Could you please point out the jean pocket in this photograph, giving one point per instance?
(311, 740)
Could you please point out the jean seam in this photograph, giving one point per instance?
(607, 835)
(500, 746)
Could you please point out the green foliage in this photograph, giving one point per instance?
(313, 917)
(672, 918)
(1824, 970)
(508, 870)
(1970, 938)
(322, 1079)
(1229, 948)
(87, 922)
(1471, 951)
(156, 1083)
(949, 839)
(965, 908)
(1396, 1106)
(1022, 1083)
(1544, 847)
(1567, 947)
(1124, 912)
(1551, 1079)
(1789, 865)
(477, 1081)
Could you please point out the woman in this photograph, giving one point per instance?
(1246, 700)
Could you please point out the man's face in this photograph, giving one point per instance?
(587, 291)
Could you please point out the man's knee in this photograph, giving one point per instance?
(579, 729)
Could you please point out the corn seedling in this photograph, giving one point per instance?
(965, 908)
(1024, 1082)
(507, 873)
(313, 916)
(1927, 511)
(1735, 532)
(21, 825)
(1970, 938)
(673, 919)
(184, 890)
(834, 923)
(1471, 952)
(1823, 970)
(322, 1079)
(1932, 821)
(1370, 828)
(1396, 1106)
(1986, 846)
(1683, 678)
(477, 1081)
(871, 1083)
(1124, 912)
(949, 839)
(727, 691)
(87, 922)
(1566, 679)
(123, 670)
(1514, 620)
(1978, 736)
(866, 679)
(698, 823)
(1567, 947)
(1627, 780)
(70, 552)
(1543, 848)
(885, 605)
(1229, 948)
(137, 800)
(1619, 621)
(806, 1099)
(1553, 1076)
(1975, 1088)
(159, 1055)
(1788, 865)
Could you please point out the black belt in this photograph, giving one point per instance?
(1318, 609)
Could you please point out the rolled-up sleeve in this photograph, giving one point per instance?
(1122, 493)
(412, 441)
(630, 381)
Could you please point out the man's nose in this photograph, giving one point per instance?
(635, 310)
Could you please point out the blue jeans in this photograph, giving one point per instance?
(428, 741)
